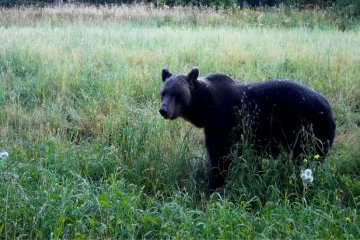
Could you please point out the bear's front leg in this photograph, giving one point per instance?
(216, 179)
(219, 163)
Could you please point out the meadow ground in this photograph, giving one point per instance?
(90, 157)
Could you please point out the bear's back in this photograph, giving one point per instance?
(285, 92)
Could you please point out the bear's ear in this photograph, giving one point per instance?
(193, 74)
(165, 74)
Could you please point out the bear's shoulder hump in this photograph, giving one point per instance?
(219, 77)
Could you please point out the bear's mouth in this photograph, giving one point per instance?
(165, 114)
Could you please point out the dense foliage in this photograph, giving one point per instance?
(347, 9)
(354, 5)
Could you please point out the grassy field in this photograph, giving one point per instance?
(90, 157)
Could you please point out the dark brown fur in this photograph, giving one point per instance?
(277, 113)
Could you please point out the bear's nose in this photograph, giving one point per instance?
(163, 112)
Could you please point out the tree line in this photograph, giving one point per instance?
(348, 7)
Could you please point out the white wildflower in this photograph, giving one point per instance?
(3, 155)
(307, 179)
(307, 176)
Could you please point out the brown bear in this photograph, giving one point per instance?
(276, 113)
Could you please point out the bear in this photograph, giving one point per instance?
(276, 113)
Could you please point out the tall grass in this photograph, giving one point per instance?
(286, 17)
(90, 157)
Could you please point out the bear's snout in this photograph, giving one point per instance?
(163, 111)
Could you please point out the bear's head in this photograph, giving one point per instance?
(176, 93)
